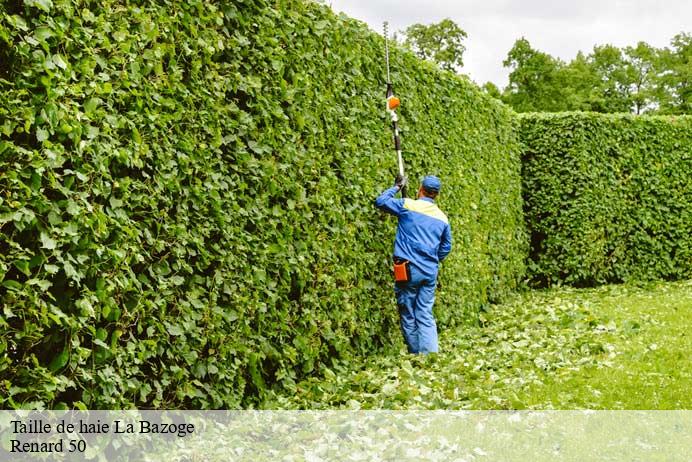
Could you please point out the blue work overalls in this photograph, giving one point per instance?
(424, 238)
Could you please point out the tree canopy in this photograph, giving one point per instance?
(637, 79)
(634, 79)
(441, 43)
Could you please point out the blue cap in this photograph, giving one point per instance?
(431, 183)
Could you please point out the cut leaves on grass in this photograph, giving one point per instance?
(614, 347)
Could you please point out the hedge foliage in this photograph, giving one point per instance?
(186, 198)
(607, 198)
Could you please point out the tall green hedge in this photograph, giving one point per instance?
(186, 198)
(607, 198)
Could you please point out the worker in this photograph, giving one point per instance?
(423, 240)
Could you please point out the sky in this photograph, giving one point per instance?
(560, 28)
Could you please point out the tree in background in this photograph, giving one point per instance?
(641, 63)
(533, 81)
(491, 89)
(639, 79)
(441, 43)
(635, 79)
(612, 91)
(674, 86)
(580, 84)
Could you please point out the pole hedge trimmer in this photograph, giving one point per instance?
(392, 104)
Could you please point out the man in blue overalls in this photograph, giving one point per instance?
(424, 239)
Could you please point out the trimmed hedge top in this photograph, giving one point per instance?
(607, 198)
(186, 198)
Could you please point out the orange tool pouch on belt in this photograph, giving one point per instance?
(402, 272)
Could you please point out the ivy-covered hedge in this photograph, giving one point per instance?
(607, 198)
(186, 198)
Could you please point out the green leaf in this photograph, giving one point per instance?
(85, 307)
(174, 329)
(41, 283)
(91, 105)
(100, 343)
(101, 333)
(42, 135)
(59, 61)
(8, 312)
(114, 202)
(43, 33)
(177, 280)
(73, 208)
(23, 266)
(45, 5)
(59, 361)
(71, 272)
(120, 35)
(18, 22)
(47, 242)
(12, 285)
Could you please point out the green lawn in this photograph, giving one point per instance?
(613, 347)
